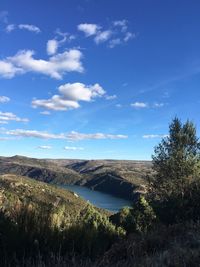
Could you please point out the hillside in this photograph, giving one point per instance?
(38, 169)
(16, 191)
(121, 178)
(41, 222)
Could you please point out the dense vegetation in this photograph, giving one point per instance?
(41, 226)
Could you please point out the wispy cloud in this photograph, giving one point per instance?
(10, 28)
(28, 27)
(55, 67)
(44, 147)
(73, 148)
(45, 112)
(142, 105)
(118, 105)
(139, 105)
(115, 42)
(110, 97)
(75, 136)
(158, 105)
(33, 134)
(70, 95)
(102, 36)
(4, 99)
(57, 41)
(72, 136)
(9, 116)
(6, 138)
(151, 136)
(117, 33)
(122, 24)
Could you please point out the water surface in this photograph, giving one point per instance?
(99, 199)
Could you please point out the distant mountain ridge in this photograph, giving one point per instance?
(122, 178)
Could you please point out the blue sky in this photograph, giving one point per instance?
(96, 79)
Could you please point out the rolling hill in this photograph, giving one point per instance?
(125, 179)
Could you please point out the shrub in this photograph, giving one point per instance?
(139, 218)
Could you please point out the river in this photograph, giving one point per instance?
(99, 199)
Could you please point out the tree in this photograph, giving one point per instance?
(140, 218)
(176, 160)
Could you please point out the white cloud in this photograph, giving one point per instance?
(72, 136)
(34, 134)
(55, 67)
(44, 147)
(45, 112)
(80, 91)
(52, 46)
(8, 70)
(151, 136)
(6, 138)
(139, 105)
(10, 28)
(9, 116)
(122, 24)
(73, 148)
(114, 42)
(88, 28)
(4, 99)
(29, 27)
(55, 103)
(70, 95)
(75, 136)
(110, 97)
(147, 105)
(118, 105)
(102, 36)
(65, 36)
(158, 105)
(118, 30)
(128, 36)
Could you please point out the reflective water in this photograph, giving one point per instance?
(99, 199)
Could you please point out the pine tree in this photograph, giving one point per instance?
(176, 160)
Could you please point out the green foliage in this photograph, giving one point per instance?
(176, 160)
(93, 233)
(177, 208)
(139, 218)
(175, 186)
(29, 230)
(143, 214)
(124, 218)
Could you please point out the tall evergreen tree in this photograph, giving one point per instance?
(176, 159)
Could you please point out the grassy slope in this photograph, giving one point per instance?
(16, 190)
